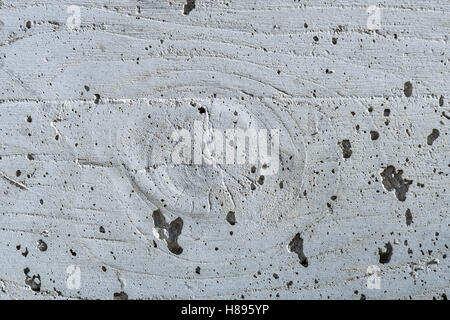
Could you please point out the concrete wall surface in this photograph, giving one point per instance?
(119, 123)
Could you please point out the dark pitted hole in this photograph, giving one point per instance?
(374, 135)
(296, 246)
(407, 89)
(201, 110)
(385, 256)
(432, 136)
(409, 217)
(261, 180)
(392, 180)
(188, 7)
(231, 218)
(197, 270)
(346, 148)
(173, 230)
(120, 296)
(33, 282)
(42, 246)
(96, 98)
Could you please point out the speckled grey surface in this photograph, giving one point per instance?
(91, 206)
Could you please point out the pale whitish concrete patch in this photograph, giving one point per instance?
(85, 109)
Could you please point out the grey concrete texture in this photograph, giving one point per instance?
(93, 207)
